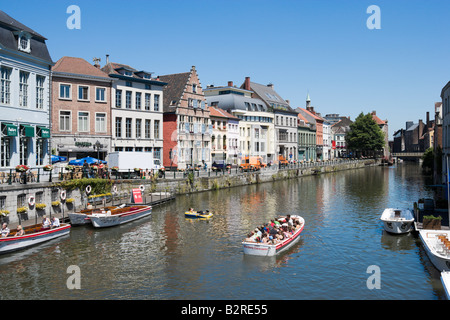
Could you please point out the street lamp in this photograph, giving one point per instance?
(97, 147)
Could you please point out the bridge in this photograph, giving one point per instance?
(408, 155)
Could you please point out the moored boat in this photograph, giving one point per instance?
(437, 246)
(81, 217)
(397, 220)
(34, 234)
(445, 279)
(119, 216)
(198, 214)
(270, 249)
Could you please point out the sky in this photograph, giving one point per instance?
(320, 47)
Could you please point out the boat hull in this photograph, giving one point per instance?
(403, 223)
(268, 250)
(428, 237)
(10, 244)
(445, 279)
(105, 220)
(197, 216)
(78, 219)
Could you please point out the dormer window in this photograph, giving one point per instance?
(128, 73)
(24, 42)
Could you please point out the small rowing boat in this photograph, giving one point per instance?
(81, 217)
(270, 249)
(397, 220)
(119, 215)
(198, 214)
(437, 246)
(34, 234)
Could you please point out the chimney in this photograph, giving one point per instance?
(230, 83)
(96, 62)
(107, 59)
(288, 102)
(270, 85)
(247, 83)
(409, 124)
(428, 118)
(374, 113)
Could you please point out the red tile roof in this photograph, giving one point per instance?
(376, 119)
(217, 112)
(77, 66)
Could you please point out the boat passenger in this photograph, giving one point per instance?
(20, 231)
(250, 237)
(5, 230)
(46, 222)
(55, 222)
(289, 220)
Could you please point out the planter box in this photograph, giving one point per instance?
(433, 224)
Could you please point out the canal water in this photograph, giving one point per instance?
(166, 256)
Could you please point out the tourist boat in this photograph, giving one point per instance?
(397, 220)
(198, 214)
(81, 217)
(264, 249)
(34, 234)
(119, 215)
(437, 247)
(445, 279)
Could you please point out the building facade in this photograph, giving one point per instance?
(306, 140)
(187, 125)
(81, 109)
(25, 65)
(256, 126)
(137, 110)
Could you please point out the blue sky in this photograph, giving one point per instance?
(316, 46)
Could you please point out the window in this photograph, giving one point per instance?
(148, 126)
(100, 94)
(65, 121)
(100, 122)
(83, 93)
(64, 91)
(138, 101)
(5, 152)
(128, 123)
(5, 94)
(128, 99)
(147, 101)
(118, 98)
(83, 121)
(23, 88)
(156, 103)
(118, 127)
(40, 80)
(138, 128)
(156, 129)
(23, 151)
(194, 88)
(40, 152)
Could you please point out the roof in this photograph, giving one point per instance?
(9, 39)
(174, 89)
(377, 119)
(301, 117)
(236, 102)
(220, 113)
(136, 75)
(270, 96)
(309, 113)
(74, 65)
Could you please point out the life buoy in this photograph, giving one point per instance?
(88, 189)
(115, 189)
(142, 187)
(31, 200)
(63, 195)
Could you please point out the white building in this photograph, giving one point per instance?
(225, 136)
(137, 110)
(327, 141)
(25, 65)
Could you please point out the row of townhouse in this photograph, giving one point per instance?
(73, 108)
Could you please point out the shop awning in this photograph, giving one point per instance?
(28, 131)
(11, 130)
(44, 132)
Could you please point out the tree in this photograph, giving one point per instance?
(365, 136)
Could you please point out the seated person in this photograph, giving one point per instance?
(5, 230)
(55, 222)
(20, 231)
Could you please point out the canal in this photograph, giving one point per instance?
(166, 256)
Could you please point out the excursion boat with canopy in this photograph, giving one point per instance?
(119, 216)
(267, 249)
(82, 217)
(33, 235)
(397, 220)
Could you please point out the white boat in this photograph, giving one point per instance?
(435, 247)
(34, 234)
(445, 279)
(82, 217)
(264, 249)
(397, 220)
(119, 216)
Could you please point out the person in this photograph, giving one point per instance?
(100, 169)
(55, 222)
(250, 237)
(46, 222)
(289, 220)
(5, 230)
(20, 231)
(86, 170)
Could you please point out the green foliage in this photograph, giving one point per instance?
(365, 135)
(428, 159)
(99, 186)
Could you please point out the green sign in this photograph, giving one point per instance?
(11, 130)
(28, 131)
(45, 132)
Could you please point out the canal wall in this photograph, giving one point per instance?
(16, 199)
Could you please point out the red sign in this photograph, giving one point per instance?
(137, 196)
(333, 144)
